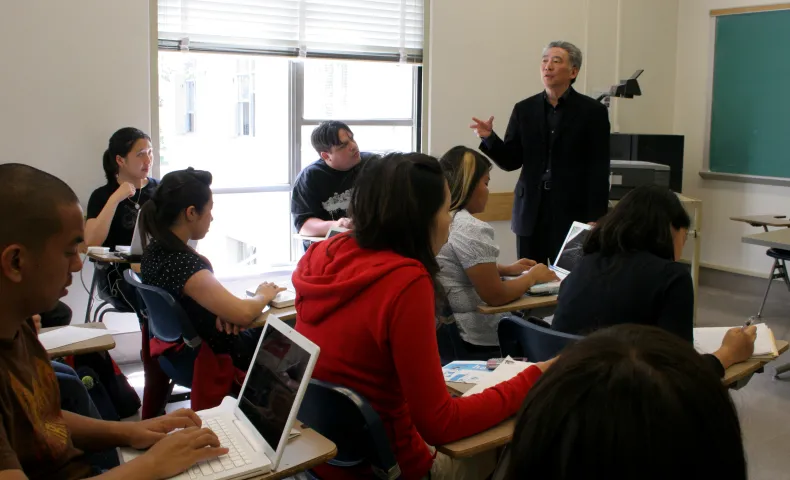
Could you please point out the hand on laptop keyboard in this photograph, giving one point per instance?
(177, 452)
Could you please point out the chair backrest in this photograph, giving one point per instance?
(348, 420)
(520, 337)
(167, 320)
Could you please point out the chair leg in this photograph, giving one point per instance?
(105, 312)
(98, 310)
(781, 369)
(768, 289)
(783, 273)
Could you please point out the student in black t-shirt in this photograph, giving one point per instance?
(323, 190)
(180, 211)
(112, 208)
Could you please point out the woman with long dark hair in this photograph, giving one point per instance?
(367, 299)
(113, 207)
(180, 211)
(630, 272)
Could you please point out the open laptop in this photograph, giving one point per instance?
(256, 427)
(134, 252)
(283, 299)
(570, 254)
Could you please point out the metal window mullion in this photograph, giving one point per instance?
(384, 122)
(295, 114)
(259, 189)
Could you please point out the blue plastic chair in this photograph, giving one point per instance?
(519, 337)
(168, 322)
(348, 420)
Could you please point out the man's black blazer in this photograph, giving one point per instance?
(579, 167)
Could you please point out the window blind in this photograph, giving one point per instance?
(376, 29)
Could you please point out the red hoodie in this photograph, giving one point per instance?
(372, 314)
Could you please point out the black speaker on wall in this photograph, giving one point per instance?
(662, 149)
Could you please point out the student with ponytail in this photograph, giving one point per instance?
(469, 272)
(113, 207)
(180, 211)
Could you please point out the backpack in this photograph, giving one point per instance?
(105, 372)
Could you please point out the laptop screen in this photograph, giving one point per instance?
(273, 384)
(572, 249)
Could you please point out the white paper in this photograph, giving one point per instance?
(508, 369)
(69, 335)
(708, 340)
(466, 371)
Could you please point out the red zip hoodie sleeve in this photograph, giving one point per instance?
(440, 418)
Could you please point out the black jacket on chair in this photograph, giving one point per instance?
(579, 164)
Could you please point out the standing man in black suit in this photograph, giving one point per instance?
(559, 139)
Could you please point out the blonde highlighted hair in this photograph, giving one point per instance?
(463, 168)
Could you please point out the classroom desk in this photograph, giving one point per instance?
(110, 258)
(305, 238)
(306, 451)
(764, 221)
(776, 239)
(524, 303)
(98, 344)
(734, 377)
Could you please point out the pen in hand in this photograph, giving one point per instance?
(749, 322)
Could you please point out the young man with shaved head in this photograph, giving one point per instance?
(41, 230)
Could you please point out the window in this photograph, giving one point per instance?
(258, 104)
(245, 103)
(189, 123)
(247, 107)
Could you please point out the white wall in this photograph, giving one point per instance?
(483, 58)
(721, 240)
(73, 73)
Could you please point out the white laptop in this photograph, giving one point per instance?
(257, 426)
(335, 231)
(571, 252)
(136, 248)
(283, 299)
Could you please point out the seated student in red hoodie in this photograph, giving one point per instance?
(367, 298)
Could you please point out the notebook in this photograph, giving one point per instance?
(506, 370)
(283, 299)
(708, 340)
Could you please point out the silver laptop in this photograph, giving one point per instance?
(571, 252)
(136, 248)
(257, 426)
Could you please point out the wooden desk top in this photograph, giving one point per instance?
(305, 238)
(777, 239)
(764, 220)
(285, 314)
(502, 434)
(523, 303)
(98, 344)
(109, 258)
(303, 452)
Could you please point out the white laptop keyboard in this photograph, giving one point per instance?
(234, 459)
(545, 288)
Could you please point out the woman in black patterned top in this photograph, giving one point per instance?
(180, 211)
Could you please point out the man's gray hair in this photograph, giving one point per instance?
(574, 54)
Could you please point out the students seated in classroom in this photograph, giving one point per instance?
(113, 207)
(323, 189)
(367, 298)
(470, 275)
(180, 211)
(38, 255)
(627, 402)
(629, 272)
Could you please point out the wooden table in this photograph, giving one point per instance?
(306, 451)
(734, 377)
(98, 344)
(524, 303)
(776, 239)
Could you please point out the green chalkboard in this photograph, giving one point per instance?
(750, 114)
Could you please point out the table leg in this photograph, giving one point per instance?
(94, 281)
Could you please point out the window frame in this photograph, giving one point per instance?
(296, 122)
